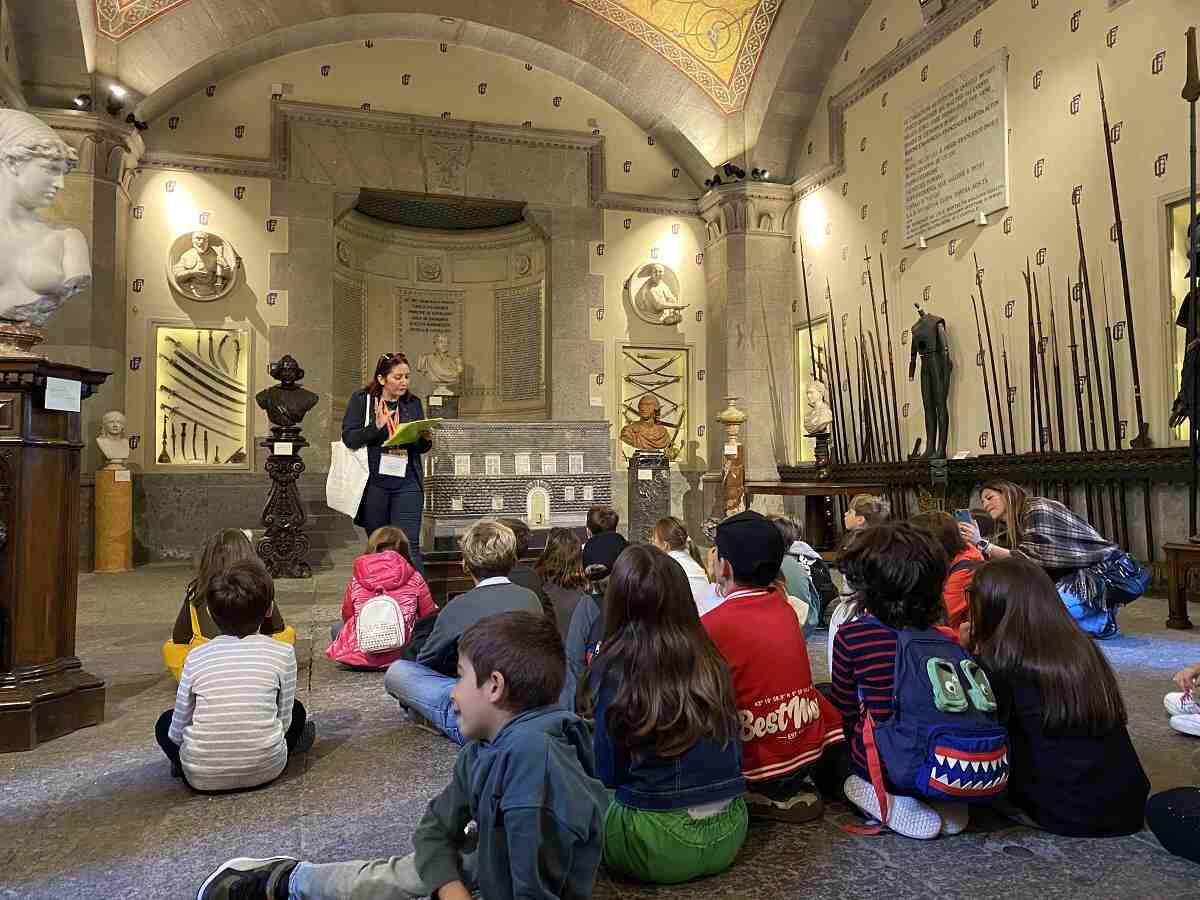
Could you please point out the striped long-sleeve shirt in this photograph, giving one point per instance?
(232, 709)
(864, 660)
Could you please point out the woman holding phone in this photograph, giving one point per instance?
(1094, 576)
(395, 492)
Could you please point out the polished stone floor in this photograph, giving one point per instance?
(97, 815)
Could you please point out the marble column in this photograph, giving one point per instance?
(750, 272)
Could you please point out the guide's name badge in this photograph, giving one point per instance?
(396, 466)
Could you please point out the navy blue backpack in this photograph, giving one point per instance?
(943, 741)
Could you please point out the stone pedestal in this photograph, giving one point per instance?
(649, 492)
(444, 406)
(284, 547)
(44, 691)
(821, 454)
(114, 520)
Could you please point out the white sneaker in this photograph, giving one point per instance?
(955, 817)
(1178, 703)
(1186, 724)
(906, 815)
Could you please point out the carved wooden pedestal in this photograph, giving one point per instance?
(284, 547)
(1180, 558)
(44, 692)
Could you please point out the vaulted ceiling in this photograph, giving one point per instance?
(710, 79)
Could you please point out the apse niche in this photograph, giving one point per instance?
(456, 284)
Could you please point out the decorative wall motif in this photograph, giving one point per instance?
(118, 18)
(716, 43)
(429, 268)
(519, 366)
(446, 165)
(200, 397)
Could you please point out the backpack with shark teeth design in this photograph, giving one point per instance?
(943, 741)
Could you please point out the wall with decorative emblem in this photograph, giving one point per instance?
(852, 188)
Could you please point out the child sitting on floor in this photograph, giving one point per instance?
(1074, 769)
(236, 716)
(385, 569)
(897, 572)
(193, 625)
(667, 745)
(864, 511)
(962, 559)
(789, 731)
(523, 789)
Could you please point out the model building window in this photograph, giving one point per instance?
(575, 463)
(522, 463)
(462, 465)
(569, 494)
(497, 503)
(588, 494)
(491, 464)
(549, 464)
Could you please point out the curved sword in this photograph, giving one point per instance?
(216, 375)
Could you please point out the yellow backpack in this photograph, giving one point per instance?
(174, 654)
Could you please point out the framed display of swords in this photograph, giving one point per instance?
(200, 397)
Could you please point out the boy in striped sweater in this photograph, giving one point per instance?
(897, 572)
(236, 716)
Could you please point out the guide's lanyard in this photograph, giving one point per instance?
(393, 425)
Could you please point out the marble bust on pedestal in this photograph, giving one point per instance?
(443, 369)
(112, 440)
(818, 416)
(41, 264)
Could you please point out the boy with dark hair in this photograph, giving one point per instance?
(789, 731)
(601, 518)
(236, 717)
(489, 550)
(527, 777)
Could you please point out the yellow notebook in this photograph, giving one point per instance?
(409, 433)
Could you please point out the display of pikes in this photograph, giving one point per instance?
(1000, 443)
(206, 395)
(1191, 95)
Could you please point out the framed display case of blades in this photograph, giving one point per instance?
(201, 397)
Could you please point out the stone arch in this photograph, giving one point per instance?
(163, 72)
(537, 507)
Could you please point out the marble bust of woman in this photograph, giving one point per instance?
(41, 264)
(112, 440)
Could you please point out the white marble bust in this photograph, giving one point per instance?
(655, 302)
(443, 369)
(41, 264)
(819, 415)
(112, 440)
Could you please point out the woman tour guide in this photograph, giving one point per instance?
(395, 493)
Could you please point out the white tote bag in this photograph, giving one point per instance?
(348, 474)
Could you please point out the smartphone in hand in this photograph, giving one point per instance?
(964, 515)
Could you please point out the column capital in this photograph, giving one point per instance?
(747, 207)
(107, 149)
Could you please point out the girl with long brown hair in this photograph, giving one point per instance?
(394, 494)
(193, 625)
(666, 736)
(1074, 769)
(561, 569)
(1094, 576)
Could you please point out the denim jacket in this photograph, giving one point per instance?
(704, 773)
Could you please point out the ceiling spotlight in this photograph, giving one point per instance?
(115, 102)
(760, 174)
(117, 91)
(132, 120)
(84, 102)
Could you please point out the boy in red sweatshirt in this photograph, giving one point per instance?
(790, 731)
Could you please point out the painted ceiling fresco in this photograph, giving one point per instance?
(716, 43)
(116, 18)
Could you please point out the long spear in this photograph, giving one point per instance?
(987, 327)
(1142, 439)
(881, 391)
(1041, 349)
(1090, 326)
(887, 321)
(812, 346)
(986, 393)
(859, 446)
(1035, 396)
(1077, 380)
(837, 371)
(1058, 397)
(1008, 390)
(1191, 93)
(868, 439)
(1123, 535)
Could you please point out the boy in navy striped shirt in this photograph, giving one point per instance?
(897, 572)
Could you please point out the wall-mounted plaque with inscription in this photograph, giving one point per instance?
(956, 151)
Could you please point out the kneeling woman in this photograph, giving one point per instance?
(1094, 576)
(667, 745)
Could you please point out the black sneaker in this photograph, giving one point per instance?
(249, 879)
(308, 734)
